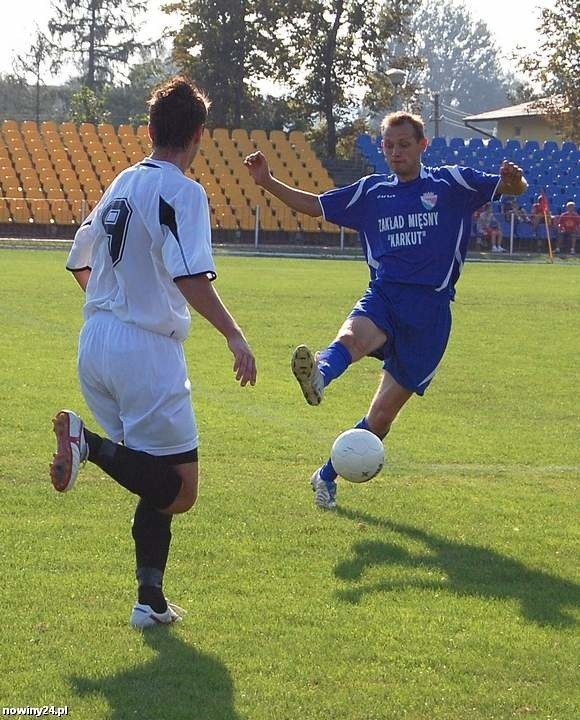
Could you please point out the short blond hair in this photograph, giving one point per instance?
(400, 118)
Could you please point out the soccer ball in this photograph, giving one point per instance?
(357, 455)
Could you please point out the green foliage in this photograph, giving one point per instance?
(42, 54)
(222, 46)
(445, 589)
(555, 65)
(87, 106)
(331, 48)
(461, 58)
(127, 103)
(99, 35)
(20, 101)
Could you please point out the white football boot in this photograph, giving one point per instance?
(324, 493)
(71, 450)
(143, 616)
(308, 375)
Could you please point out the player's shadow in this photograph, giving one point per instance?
(460, 568)
(180, 683)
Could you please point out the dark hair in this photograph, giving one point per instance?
(400, 118)
(177, 109)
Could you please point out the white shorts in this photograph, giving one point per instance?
(135, 383)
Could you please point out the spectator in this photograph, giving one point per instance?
(568, 224)
(488, 228)
(537, 220)
(510, 206)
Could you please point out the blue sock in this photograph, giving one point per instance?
(327, 471)
(333, 361)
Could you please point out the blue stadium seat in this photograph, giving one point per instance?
(456, 143)
(551, 148)
(532, 146)
(512, 145)
(494, 144)
(438, 143)
(568, 147)
(475, 143)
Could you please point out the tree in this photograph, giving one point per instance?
(99, 34)
(127, 102)
(555, 65)
(331, 48)
(87, 106)
(222, 47)
(460, 61)
(42, 55)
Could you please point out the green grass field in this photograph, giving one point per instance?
(447, 588)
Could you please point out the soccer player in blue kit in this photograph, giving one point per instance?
(414, 228)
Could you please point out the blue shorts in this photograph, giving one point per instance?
(417, 321)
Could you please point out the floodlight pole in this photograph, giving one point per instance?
(397, 78)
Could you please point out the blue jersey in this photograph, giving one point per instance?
(413, 232)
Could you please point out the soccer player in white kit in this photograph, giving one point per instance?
(142, 255)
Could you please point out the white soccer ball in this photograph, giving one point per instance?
(357, 455)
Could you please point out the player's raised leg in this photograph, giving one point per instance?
(71, 450)
(357, 337)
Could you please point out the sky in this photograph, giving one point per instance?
(512, 22)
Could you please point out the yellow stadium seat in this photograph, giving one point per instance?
(54, 192)
(240, 135)
(9, 125)
(48, 126)
(259, 136)
(220, 135)
(12, 189)
(61, 212)
(19, 210)
(310, 224)
(4, 211)
(277, 136)
(41, 212)
(296, 137)
(126, 130)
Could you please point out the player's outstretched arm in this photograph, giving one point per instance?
(512, 181)
(203, 298)
(299, 200)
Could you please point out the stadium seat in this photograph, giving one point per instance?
(41, 212)
(551, 148)
(512, 145)
(259, 137)
(438, 143)
(494, 144)
(456, 143)
(19, 210)
(531, 146)
(475, 143)
(568, 147)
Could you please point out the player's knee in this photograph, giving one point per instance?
(353, 343)
(186, 498)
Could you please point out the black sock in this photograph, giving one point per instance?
(151, 477)
(152, 535)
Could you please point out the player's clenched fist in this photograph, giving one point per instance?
(512, 179)
(258, 167)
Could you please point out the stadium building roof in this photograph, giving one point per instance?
(536, 108)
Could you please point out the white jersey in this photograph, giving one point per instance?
(151, 227)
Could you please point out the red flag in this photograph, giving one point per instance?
(543, 203)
